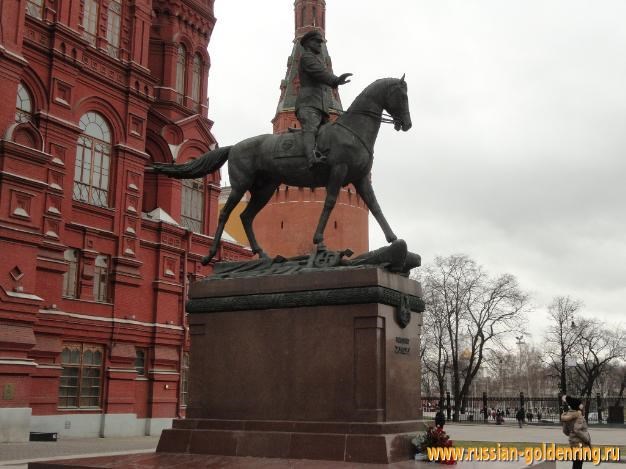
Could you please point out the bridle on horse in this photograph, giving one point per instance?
(382, 117)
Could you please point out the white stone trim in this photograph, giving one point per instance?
(122, 370)
(113, 320)
(163, 372)
(17, 361)
(26, 296)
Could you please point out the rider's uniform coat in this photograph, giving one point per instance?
(315, 83)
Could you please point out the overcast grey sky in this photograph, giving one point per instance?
(517, 155)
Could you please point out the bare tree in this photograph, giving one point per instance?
(563, 335)
(435, 352)
(477, 311)
(598, 348)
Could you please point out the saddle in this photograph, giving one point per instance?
(289, 144)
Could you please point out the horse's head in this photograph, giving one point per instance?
(397, 104)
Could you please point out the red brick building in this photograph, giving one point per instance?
(286, 225)
(95, 250)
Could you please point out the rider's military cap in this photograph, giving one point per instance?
(310, 35)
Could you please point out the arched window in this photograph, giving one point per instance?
(90, 21)
(93, 159)
(34, 8)
(192, 209)
(101, 279)
(70, 278)
(181, 58)
(23, 105)
(196, 85)
(114, 19)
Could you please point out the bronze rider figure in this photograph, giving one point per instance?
(312, 103)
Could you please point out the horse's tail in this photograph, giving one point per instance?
(205, 164)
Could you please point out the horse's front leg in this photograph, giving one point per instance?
(335, 181)
(366, 191)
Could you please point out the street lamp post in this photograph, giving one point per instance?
(520, 342)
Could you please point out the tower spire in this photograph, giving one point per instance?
(309, 15)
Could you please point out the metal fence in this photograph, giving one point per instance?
(538, 410)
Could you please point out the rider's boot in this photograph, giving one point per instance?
(313, 155)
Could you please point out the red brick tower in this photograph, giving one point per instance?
(286, 225)
(95, 251)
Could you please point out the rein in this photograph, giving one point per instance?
(383, 118)
(359, 138)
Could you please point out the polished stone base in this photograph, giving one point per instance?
(318, 365)
(336, 441)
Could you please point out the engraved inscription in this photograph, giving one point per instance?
(402, 346)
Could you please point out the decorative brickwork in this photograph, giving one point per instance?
(95, 238)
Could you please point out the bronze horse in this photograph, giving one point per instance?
(260, 164)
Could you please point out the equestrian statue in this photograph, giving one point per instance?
(342, 153)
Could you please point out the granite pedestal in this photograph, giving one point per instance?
(318, 365)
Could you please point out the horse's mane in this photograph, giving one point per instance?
(373, 90)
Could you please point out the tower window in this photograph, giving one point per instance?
(113, 27)
(196, 85)
(70, 278)
(101, 279)
(93, 155)
(90, 21)
(192, 209)
(23, 105)
(34, 8)
(140, 361)
(181, 58)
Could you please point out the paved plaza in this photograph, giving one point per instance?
(532, 433)
(16, 455)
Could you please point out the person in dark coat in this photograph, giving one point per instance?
(520, 416)
(312, 103)
(440, 419)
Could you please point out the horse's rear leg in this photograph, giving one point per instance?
(366, 192)
(335, 181)
(259, 196)
(233, 199)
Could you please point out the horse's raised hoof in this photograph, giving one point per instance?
(392, 238)
(206, 259)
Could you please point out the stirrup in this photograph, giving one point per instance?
(318, 158)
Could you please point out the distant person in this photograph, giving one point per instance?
(520, 417)
(575, 426)
(529, 416)
(440, 419)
